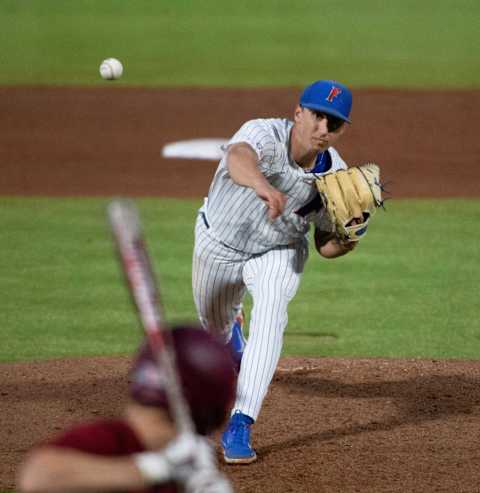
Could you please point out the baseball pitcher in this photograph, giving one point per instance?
(276, 179)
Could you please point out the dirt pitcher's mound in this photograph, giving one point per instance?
(328, 425)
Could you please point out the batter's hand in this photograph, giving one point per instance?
(183, 455)
(273, 198)
(205, 477)
(208, 481)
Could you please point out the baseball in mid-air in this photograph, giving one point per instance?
(111, 69)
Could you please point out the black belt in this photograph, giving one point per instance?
(204, 217)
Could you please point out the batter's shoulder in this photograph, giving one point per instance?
(100, 437)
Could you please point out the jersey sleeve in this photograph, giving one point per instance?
(102, 438)
(261, 139)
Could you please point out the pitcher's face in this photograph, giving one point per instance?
(316, 130)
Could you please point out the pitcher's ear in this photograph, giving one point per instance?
(298, 111)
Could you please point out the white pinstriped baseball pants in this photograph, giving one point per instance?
(220, 277)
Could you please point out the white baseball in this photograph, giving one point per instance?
(111, 69)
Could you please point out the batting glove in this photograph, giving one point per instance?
(175, 462)
(207, 480)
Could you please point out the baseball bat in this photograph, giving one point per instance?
(142, 283)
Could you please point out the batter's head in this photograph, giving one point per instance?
(206, 374)
(330, 97)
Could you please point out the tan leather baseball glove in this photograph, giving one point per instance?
(351, 197)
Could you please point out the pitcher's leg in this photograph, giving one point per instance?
(217, 283)
(273, 280)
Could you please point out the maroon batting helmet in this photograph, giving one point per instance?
(206, 373)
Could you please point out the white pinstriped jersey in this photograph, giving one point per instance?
(239, 219)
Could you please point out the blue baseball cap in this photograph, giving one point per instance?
(329, 96)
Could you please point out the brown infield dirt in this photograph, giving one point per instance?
(328, 425)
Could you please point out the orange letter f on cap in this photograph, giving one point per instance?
(334, 92)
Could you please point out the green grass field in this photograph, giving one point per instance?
(409, 290)
(242, 43)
